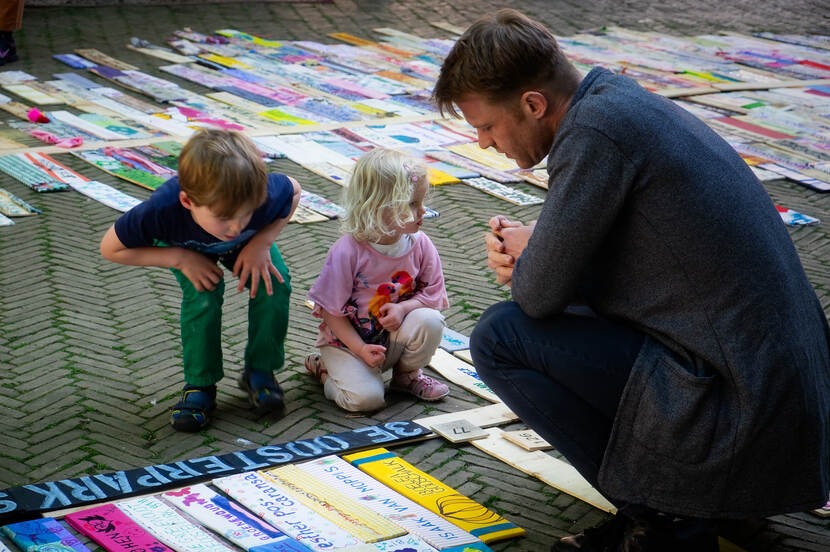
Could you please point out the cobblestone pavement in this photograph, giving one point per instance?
(89, 351)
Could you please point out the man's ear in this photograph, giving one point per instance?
(534, 104)
(186, 202)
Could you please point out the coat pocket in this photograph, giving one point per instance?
(677, 412)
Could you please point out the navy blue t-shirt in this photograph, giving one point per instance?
(162, 218)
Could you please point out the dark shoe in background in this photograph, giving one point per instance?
(8, 49)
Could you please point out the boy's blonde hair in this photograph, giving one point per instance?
(379, 192)
(224, 171)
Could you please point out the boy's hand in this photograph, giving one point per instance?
(373, 355)
(254, 261)
(202, 272)
(391, 316)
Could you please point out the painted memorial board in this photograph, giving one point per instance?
(461, 373)
(403, 477)
(432, 528)
(163, 522)
(229, 519)
(344, 511)
(554, 472)
(113, 530)
(501, 191)
(281, 508)
(459, 431)
(43, 535)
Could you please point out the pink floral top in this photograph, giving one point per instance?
(357, 280)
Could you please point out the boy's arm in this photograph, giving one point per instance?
(373, 355)
(254, 260)
(200, 270)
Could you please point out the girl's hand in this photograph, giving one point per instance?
(391, 316)
(372, 355)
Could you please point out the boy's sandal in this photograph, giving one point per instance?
(192, 412)
(314, 366)
(263, 390)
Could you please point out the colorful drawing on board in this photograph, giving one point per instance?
(403, 477)
(339, 508)
(43, 535)
(20, 168)
(168, 526)
(227, 518)
(503, 192)
(281, 508)
(130, 164)
(13, 206)
(413, 517)
(113, 530)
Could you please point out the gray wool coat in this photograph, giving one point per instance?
(654, 221)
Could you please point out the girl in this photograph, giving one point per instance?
(380, 289)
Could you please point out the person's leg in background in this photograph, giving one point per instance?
(11, 19)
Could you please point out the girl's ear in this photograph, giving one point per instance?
(186, 202)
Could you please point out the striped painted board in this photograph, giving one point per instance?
(336, 506)
(113, 530)
(281, 508)
(403, 477)
(43, 535)
(229, 519)
(413, 517)
(169, 527)
(461, 373)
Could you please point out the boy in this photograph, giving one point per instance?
(223, 207)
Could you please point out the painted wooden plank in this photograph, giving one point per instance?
(527, 439)
(169, 526)
(113, 530)
(449, 27)
(320, 204)
(227, 518)
(159, 53)
(484, 416)
(403, 477)
(100, 58)
(452, 340)
(501, 191)
(304, 215)
(459, 431)
(682, 92)
(19, 110)
(435, 530)
(44, 534)
(462, 374)
(554, 472)
(281, 508)
(464, 354)
(342, 510)
(406, 543)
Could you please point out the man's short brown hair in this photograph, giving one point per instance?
(500, 55)
(224, 171)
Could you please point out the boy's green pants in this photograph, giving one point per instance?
(201, 327)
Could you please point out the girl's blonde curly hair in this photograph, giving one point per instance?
(380, 190)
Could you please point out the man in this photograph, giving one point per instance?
(698, 386)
